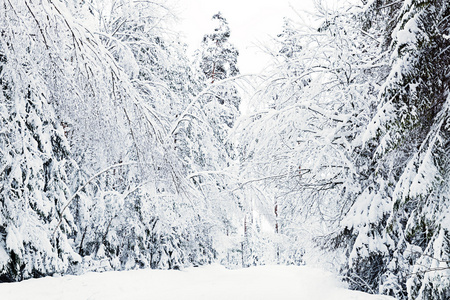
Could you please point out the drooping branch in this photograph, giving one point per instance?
(84, 186)
(199, 96)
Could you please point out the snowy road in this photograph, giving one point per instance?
(212, 282)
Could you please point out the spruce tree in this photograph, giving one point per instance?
(401, 249)
(34, 158)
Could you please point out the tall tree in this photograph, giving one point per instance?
(218, 55)
(34, 153)
(212, 150)
(402, 247)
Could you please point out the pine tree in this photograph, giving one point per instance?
(218, 61)
(212, 151)
(219, 56)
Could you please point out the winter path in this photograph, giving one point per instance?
(211, 282)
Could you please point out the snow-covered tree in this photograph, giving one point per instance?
(124, 199)
(300, 142)
(218, 61)
(218, 56)
(212, 151)
(34, 152)
(400, 245)
(138, 215)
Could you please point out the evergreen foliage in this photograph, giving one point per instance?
(34, 159)
(407, 184)
(219, 56)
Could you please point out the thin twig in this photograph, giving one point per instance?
(39, 26)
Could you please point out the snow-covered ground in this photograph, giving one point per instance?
(211, 282)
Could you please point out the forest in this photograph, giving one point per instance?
(119, 151)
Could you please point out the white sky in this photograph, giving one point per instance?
(252, 22)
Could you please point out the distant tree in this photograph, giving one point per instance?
(212, 151)
(218, 55)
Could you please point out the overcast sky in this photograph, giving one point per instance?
(252, 22)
